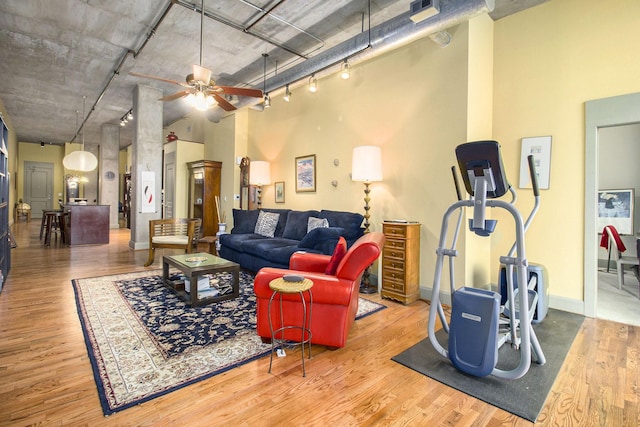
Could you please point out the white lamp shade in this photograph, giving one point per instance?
(367, 164)
(81, 161)
(259, 173)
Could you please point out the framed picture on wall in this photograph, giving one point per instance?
(306, 173)
(615, 207)
(279, 187)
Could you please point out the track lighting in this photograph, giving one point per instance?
(267, 101)
(41, 143)
(313, 84)
(127, 116)
(345, 74)
(287, 94)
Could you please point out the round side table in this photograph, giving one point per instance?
(278, 339)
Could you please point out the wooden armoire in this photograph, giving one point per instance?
(204, 186)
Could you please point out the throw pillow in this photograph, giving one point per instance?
(266, 224)
(297, 223)
(314, 222)
(244, 222)
(338, 253)
(321, 239)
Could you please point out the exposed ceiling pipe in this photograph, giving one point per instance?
(116, 72)
(385, 37)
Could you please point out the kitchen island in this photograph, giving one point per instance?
(88, 224)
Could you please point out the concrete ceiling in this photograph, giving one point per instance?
(55, 52)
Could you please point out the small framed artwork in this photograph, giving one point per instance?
(306, 173)
(540, 148)
(615, 207)
(279, 186)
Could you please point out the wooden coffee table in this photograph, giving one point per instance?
(194, 266)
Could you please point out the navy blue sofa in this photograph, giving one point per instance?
(254, 251)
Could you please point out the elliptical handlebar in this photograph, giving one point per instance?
(533, 174)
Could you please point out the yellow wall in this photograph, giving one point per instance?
(549, 60)
(412, 102)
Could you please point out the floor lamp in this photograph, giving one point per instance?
(259, 175)
(366, 167)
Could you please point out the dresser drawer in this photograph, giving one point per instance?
(395, 243)
(393, 275)
(393, 264)
(394, 285)
(398, 254)
(394, 230)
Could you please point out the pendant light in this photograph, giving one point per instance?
(82, 161)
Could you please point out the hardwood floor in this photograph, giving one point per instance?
(46, 377)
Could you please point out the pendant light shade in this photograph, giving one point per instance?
(81, 161)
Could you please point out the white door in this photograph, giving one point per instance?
(38, 187)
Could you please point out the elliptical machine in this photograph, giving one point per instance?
(479, 324)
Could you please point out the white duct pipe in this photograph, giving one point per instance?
(395, 33)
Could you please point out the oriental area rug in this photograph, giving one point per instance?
(144, 342)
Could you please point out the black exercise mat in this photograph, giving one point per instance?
(523, 397)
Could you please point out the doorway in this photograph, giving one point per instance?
(600, 113)
(618, 173)
(38, 186)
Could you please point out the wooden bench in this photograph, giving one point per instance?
(172, 233)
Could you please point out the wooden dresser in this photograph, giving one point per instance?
(401, 262)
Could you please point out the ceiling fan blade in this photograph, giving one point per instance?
(175, 95)
(223, 103)
(144, 76)
(241, 91)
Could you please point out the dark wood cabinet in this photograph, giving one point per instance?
(204, 186)
(5, 245)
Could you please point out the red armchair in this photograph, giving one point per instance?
(335, 298)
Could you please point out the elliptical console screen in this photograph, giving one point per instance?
(476, 159)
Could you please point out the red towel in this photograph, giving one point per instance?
(604, 242)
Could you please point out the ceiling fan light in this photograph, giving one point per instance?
(190, 100)
(200, 101)
(210, 101)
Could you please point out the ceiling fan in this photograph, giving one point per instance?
(201, 90)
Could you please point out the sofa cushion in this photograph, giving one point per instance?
(297, 223)
(350, 221)
(244, 221)
(267, 223)
(321, 239)
(277, 250)
(338, 254)
(235, 241)
(282, 220)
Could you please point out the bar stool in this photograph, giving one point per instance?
(54, 220)
(291, 285)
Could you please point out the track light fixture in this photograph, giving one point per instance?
(313, 84)
(267, 100)
(346, 72)
(287, 94)
(41, 143)
(127, 116)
